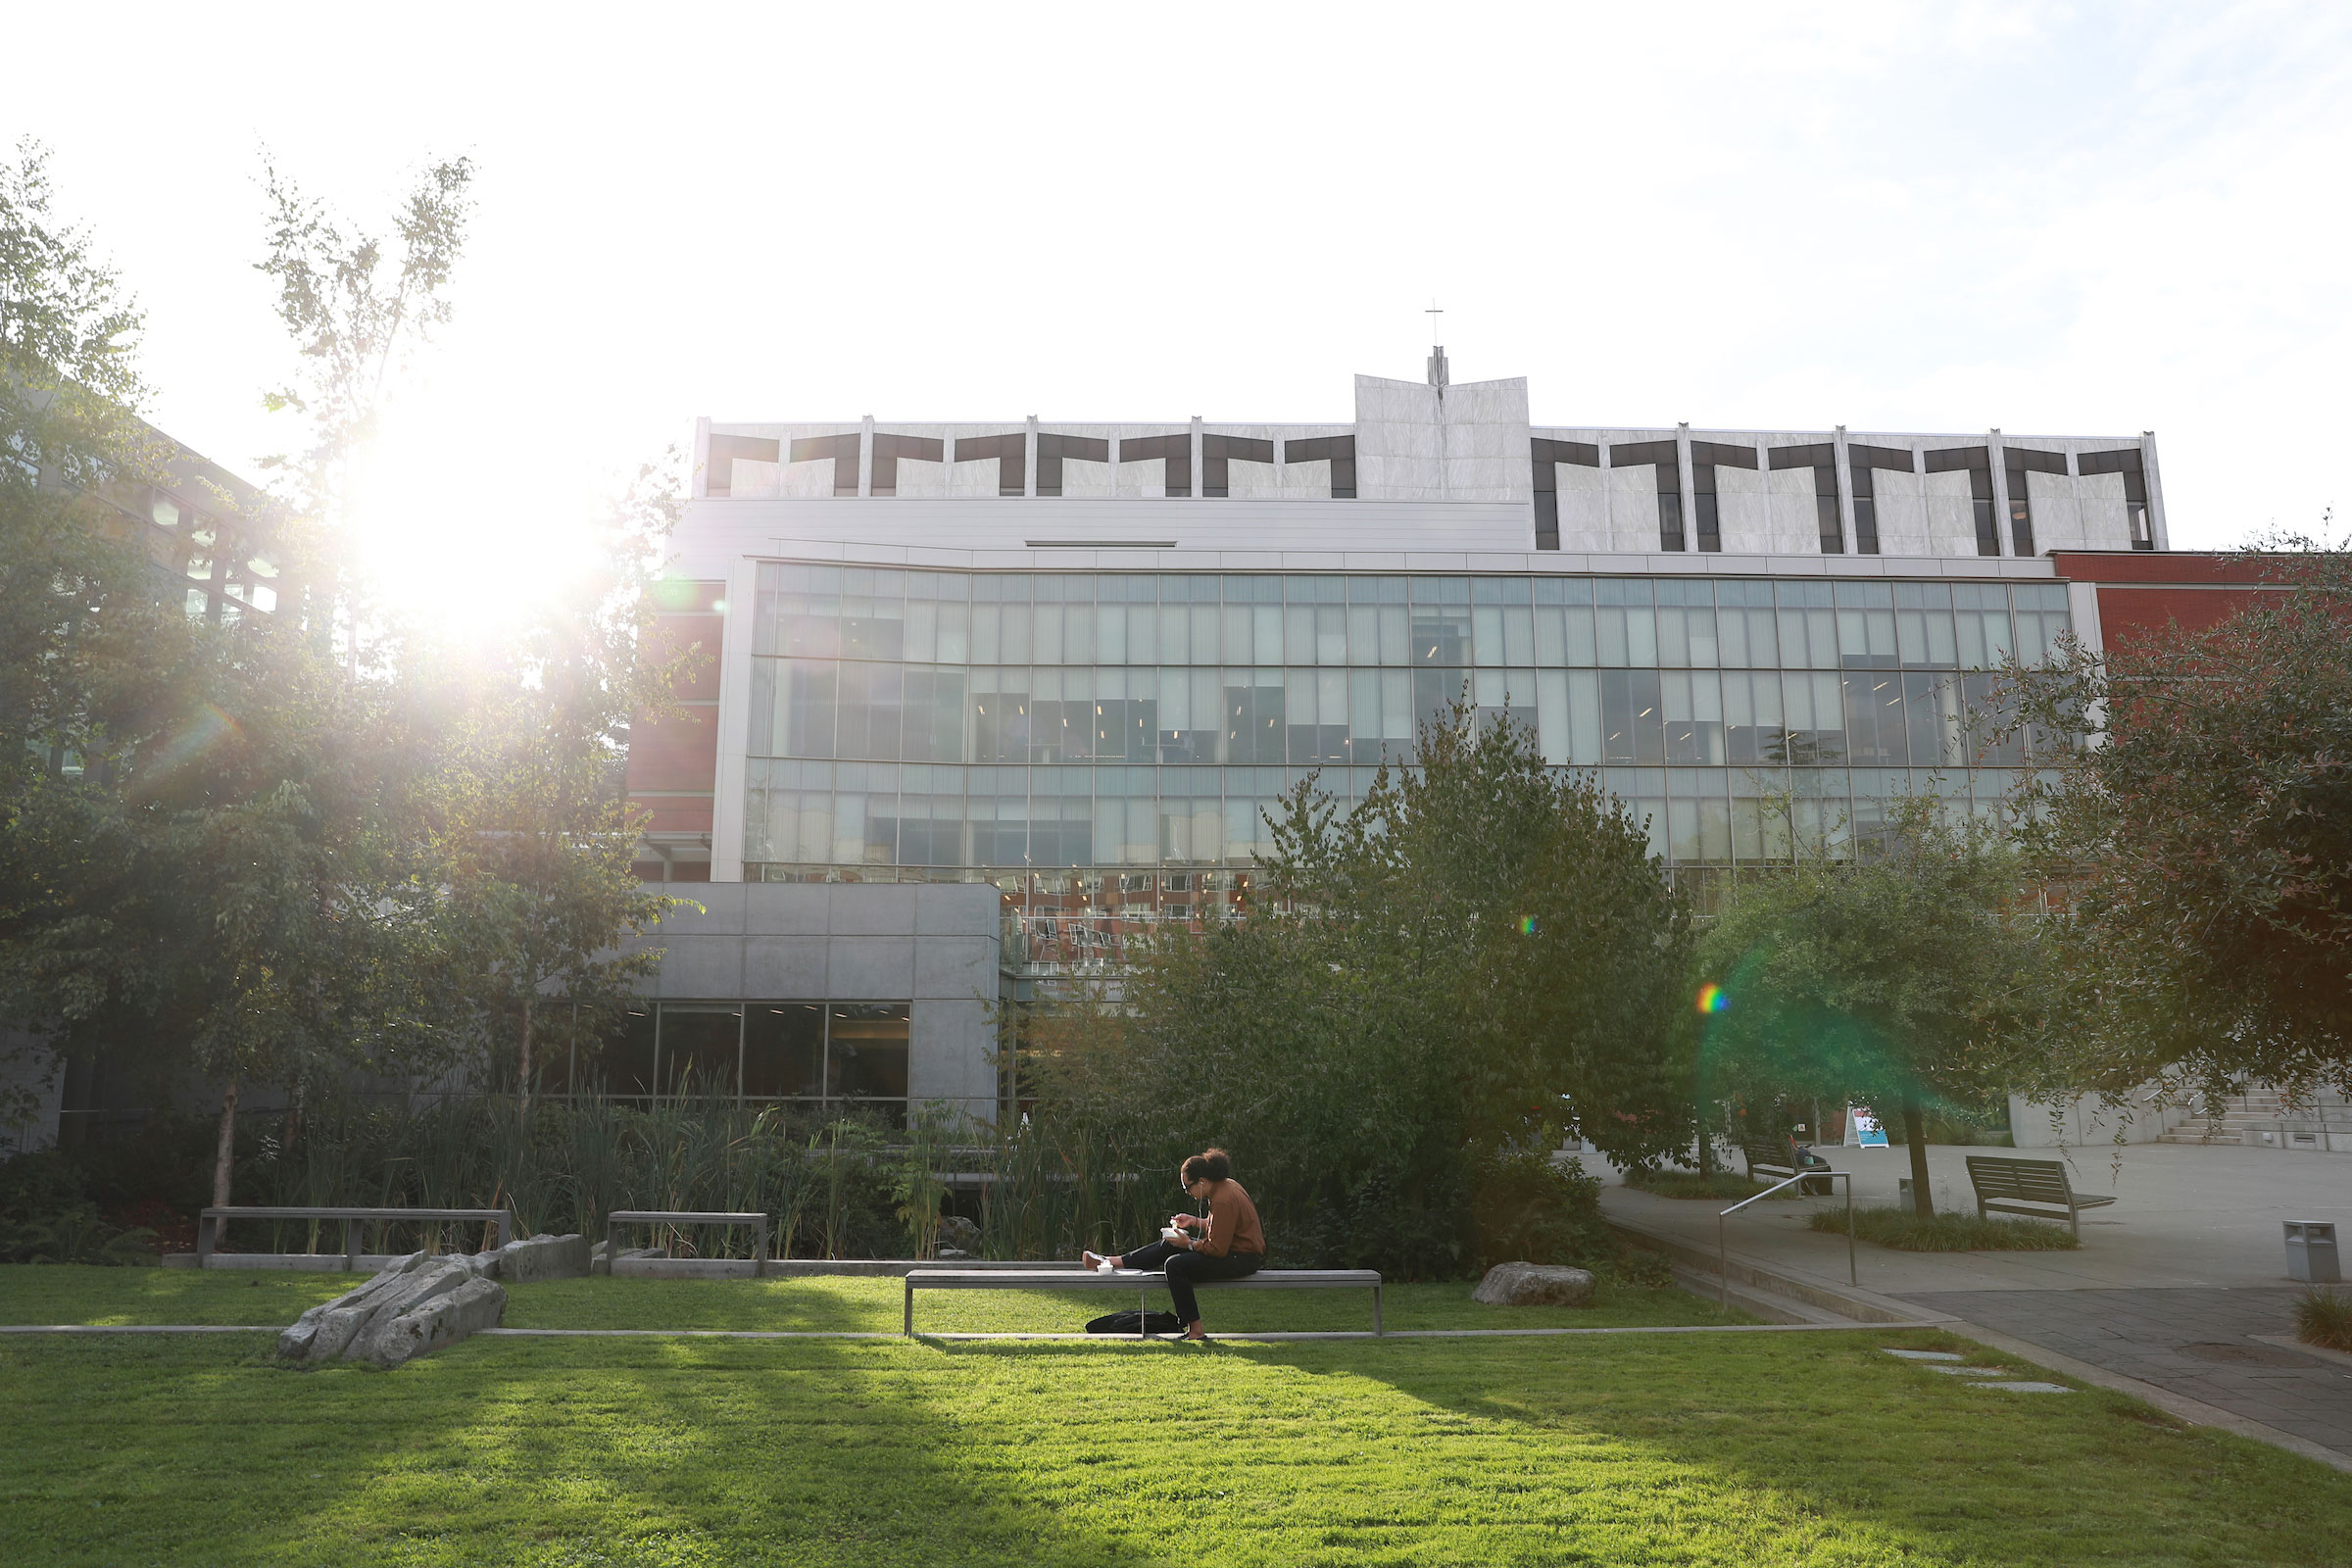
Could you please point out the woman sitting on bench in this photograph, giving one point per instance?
(1228, 1244)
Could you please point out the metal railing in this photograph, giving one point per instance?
(1723, 1248)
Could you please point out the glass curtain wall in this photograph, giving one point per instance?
(1102, 741)
(842, 1054)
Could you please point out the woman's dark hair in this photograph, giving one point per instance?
(1208, 1165)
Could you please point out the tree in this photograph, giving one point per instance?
(194, 853)
(1901, 977)
(532, 842)
(1420, 994)
(2199, 849)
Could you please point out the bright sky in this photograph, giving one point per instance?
(2075, 220)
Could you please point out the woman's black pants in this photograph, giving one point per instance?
(1185, 1267)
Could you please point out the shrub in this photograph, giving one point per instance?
(1905, 1231)
(2324, 1318)
(1691, 1184)
(1533, 1209)
(46, 1216)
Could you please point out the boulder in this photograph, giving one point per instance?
(959, 1237)
(1535, 1284)
(436, 1277)
(542, 1258)
(417, 1304)
(468, 1308)
(322, 1332)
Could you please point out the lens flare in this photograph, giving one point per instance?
(1527, 925)
(1712, 997)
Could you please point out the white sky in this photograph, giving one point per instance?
(2073, 220)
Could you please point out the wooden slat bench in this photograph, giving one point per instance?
(1770, 1157)
(1140, 1281)
(678, 1217)
(2037, 1189)
(210, 1221)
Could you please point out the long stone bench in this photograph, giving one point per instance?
(1140, 1281)
(680, 1217)
(209, 1222)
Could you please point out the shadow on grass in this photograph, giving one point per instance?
(508, 1451)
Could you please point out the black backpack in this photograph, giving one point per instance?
(1134, 1322)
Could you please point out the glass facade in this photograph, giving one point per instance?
(808, 1052)
(1102, 746)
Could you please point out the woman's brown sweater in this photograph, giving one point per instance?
(1232, 1222)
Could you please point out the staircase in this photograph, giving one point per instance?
(2259, 1110)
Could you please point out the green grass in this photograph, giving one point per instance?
(1760, 1451)
(1904, 1230)
(2324, 1318)
(90, 1295)
(1691, 1184)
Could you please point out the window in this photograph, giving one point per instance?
(1979, 463)
(1054, 450)
(1547, 455)
(1176, 451)
(2128, 463)
(2019, 462)
(719, 475)
(1862, 459)
(889, 450)
(841, 448)
(1337, 450)
(1668, 460)
(1011, 453)
(1704, 456)
(1822, 458)
(1217, 451)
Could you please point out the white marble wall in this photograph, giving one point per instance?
(1465, 443)
(1416, 443)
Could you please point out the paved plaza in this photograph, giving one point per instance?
(2181, 1284)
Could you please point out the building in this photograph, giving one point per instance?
(984, 700)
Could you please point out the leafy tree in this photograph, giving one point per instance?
(2200, 851)
(1421, 989)
(532, 842)
(194, 849)
(1899, 978)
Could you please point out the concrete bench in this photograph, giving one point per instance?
(667, 1217)
(210, 1221)
(2037, 1189)
(1140, 1281)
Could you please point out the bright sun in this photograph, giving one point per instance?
(461, 525)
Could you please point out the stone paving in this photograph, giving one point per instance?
(2204, 1344)
(2177, 1284)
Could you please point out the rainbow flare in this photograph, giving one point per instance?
(1712, 997)
(1527, 925)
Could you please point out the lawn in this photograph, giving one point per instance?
(83, 1295)
(1764, 1449)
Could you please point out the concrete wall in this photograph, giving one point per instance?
(2083, 1120)
(935, 947)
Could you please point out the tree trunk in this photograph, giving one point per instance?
(1706, 1141)
(522, 1063)
(1915, 1129)
(225, 1156)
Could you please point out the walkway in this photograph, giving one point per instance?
(2181, 1284)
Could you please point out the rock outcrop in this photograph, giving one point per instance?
(542, 1258)
(416, 1304)
(1535, 1284)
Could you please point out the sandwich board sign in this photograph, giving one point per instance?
(1862, 1129)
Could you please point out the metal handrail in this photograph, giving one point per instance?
(1723, 1249)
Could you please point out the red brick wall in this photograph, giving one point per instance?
(2142, 591)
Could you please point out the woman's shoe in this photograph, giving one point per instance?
(1091, 1261)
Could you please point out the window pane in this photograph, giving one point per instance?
(701, 1047)
(866, 1053)
(784, 1050)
